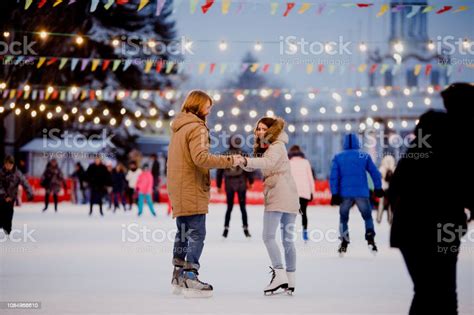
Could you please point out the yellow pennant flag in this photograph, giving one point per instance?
(148, 65)
(95, 63)
(309, 68)
(192, 6)
(277, 68)
(428, 9)
(28, 3)
(40, 62)
(461, 8)
(362, 67)
(254, 67)
(225, 6)
(274, 7)
(417, 70)
(12, 93)
(304, 7)
(383, 9)
(142, 4)
(223, 68)
(332, 68)
(202, 67)
(58, 2)
(169, 66)
(384, 68)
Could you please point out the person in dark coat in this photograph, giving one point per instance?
(155, 171)
(79, 175)
(236, 181)
(349, 186)
(98, 178)
(10, 179)
(119, 185)
(52, 180)
(431, 187)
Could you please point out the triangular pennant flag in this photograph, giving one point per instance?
(159, 7)
(159, 65)
(62, 63)
(321, 8)
(364, 5)
(331, 68)
(273, 8)
(398, 8)
(449, 70)
(62, 96)
(383, 9)
(41, 3)
(207, 6)
(277, 68)
(74, 63)
(94, 4)
(148, 65)
(373, 68)
(428, 69)
(17, 61)
(266, 67)
(461, 8)
(427, 9)
(127, 64)
(289, 7)
(362, 68)
(105, 64)
(304, 7)
(8, 59)
(71, 2)
(40, 62)
(84, 63)
(142, 4)
(51, 61)
(289, 67)
(116, 64)
(28, 4)
(192, 6)
(120, 2)
(414, 11)
(417, 70)
(212, 68)
(244, 67)
(384, 68)
(320, 67)
(309, 68)
(109, 4)
(446, 8)
(254, 67)
(180, 68)
(225, 6)
(202, 67)
(58, 2)
(95, 64)
(223, 67)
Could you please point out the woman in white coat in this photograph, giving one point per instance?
(387, 168)
(281, 199)
(304, 179)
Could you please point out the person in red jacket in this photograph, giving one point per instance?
(145, 189)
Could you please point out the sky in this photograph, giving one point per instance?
(255, 23)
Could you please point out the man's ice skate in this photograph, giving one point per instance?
(291, 282)
(177, 281)
(343, 248)
(372, 247)
(246, 232)
(193, 287)
(279, 281)
(226, 232)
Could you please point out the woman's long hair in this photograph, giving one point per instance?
(194, 102)
(257, 148)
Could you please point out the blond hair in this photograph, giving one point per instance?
(195, 101)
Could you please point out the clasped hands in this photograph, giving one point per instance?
(239, 160)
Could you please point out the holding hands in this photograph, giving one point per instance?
(239, 160)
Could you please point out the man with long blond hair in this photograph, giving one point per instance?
(189, 161)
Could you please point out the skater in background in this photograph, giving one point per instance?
(429, 191)
(98, 179)
(52, 180)
(189, 185)
(387, 168)
(22, 168)
(119, 186)
(281, 199)
(109, 190)
(236, 181)
(78, 176)
(10, 179)
(155, 171)
(132, 176)
(144, 189)
(349, 186)
(304, 179)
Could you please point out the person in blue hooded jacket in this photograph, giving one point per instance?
(349, 186)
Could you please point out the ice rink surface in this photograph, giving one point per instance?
(76, 264)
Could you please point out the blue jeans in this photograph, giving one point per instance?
(365, 210)
(189, 241)
(148, 201)
(271, 220)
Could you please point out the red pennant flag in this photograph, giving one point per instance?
(446, 8)
(159, 65)
(55, 94)
(51, 61)
(289, 7)
(19, 93)
(41, 3)
(320, 67)
(266, 67)
(364, 5)
(428, 69)
(212, 67)
(373, 68)
(122, 1)
(105, 64)
(92, 95)
(276, 93)
(207, 6)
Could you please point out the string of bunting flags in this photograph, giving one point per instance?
(275, 8)
(169, 67)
